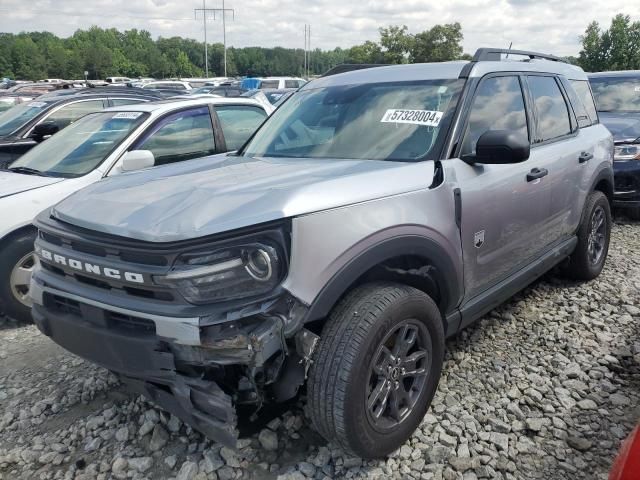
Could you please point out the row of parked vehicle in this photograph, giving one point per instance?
(332, 250)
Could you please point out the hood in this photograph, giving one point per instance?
(624, 126)
(12, 183)
(220, 193)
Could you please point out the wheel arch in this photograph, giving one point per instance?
(9, 236)
(603, 182)
(413, 260)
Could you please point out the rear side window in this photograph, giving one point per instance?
(125, 101)
(238, 123)
(498, 105)
(584, 94)
(551, 110)
(291, 84)
(270, 84)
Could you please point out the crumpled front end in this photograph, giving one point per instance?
(201, 362)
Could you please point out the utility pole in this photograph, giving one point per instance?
(307, 49)
(205, 11)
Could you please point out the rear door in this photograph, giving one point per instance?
(503, 211)
(557, 147)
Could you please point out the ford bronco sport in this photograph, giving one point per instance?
(374, 214)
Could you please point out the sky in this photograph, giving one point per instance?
(550, 26)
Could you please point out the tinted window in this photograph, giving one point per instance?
(238, 123)
(551, 109)
(126, 101)
(582, 102)
(291, 84)
(616, 93)
(181, 136)
(394, 121)
(498, 105)
(18, 116)
(70, 113)
(270, 84)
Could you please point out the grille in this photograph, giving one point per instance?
(625, 183)
(63, 305)
(129, 324)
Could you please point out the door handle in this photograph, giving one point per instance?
(585, 157)
(537, 173)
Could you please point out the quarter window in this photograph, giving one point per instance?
(498, 105)
(238, 123)
(72, 112)
(551, 110)
(181, 136)
(584, 94)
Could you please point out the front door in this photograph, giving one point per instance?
(503, 207)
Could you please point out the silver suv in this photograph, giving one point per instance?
(374, 214)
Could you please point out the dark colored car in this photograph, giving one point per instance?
(617, 96)
(27, 124)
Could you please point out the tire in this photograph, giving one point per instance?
(583, 265)
(13, 289)
(343, 378)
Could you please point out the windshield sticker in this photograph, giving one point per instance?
(37, 104)
(637, 89)
(129, 115)
(429, 118)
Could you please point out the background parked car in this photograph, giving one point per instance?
(275, 95)
(617, 96)
(25, 125)
(168, 85)
(281, 82)
(104, 144)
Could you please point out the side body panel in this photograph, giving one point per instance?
(324, 243)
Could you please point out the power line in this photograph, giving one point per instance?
(205, 11)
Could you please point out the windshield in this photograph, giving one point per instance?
(14, 118)
(82, 146)
(395, 121)
(616, 94)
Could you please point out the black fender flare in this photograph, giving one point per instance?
(414, 245)
(605, 174)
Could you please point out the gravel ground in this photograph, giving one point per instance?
(545, 386)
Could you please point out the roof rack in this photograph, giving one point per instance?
(495, 55)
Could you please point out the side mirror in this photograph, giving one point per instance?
(502, 146)
(137, 160)
(44, 130)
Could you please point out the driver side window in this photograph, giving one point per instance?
(498, 105)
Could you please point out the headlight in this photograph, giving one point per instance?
(227, 273)
(630, 151)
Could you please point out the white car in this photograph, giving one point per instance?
(168, 85)
(282, 82)
(103, 144)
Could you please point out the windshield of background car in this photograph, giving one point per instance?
(14, 118)
(81, 147)
(395, 121)
(616, 94)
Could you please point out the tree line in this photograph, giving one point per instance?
(134, 53)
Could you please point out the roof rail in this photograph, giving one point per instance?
(495, 55)
(350, 67)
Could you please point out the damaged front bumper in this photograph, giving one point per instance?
(201, 378)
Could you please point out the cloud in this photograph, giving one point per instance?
(552, 26)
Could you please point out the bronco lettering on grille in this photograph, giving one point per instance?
(90, 267)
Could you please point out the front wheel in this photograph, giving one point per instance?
(17, 261)
(376, 368)
(588, 259)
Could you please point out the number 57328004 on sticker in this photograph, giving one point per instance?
(429, 118)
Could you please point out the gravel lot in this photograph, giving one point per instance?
(546, 386)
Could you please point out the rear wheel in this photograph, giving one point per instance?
(588, 259)
(17, 261)
(376, 368)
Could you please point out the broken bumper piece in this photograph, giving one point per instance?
(147, 366)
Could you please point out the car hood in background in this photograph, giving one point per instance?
(12, 183)
(624, 126)
(220, 193)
